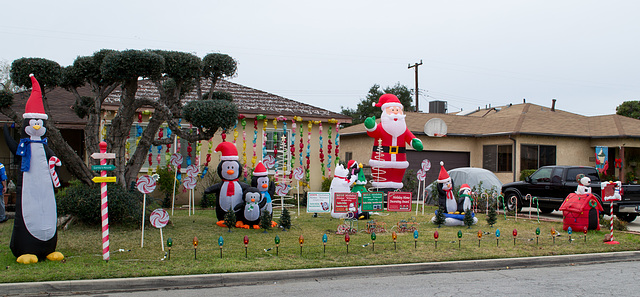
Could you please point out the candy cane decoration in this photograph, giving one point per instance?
(53, 162)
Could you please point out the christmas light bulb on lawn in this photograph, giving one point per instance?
(515, 234)
(373, 239)
(394, 236)
(220, 243)
(324, 242)
(169, 245)
(435, 236)
(459, 237)
(479, 237)
(246, 243)
(569, 231)
(415, 239)
(301, 241)
(277, 241)
(347, 238)
(497, 237)
(537, 234)
(195, 247)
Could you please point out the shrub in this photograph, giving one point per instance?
(326, 184)
(525, 173)
(83, 202)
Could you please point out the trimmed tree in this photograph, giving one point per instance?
(174, 74)
(439, 219)
(285, 220)
(230, 219)
(468, 218)
(492, 216)
(265, 220)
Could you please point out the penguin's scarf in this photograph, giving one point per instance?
(24, 150)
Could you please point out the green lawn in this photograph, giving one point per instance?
(81, 246)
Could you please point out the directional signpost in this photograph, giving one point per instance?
(103, 179)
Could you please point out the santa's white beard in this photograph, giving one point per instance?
(393, 124)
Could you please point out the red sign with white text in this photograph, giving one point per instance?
(342, 202)
(399, 201)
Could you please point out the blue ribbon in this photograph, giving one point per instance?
(24, 150)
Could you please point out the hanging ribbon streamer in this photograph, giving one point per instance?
(301, 141)
(321, 145)
(307, 172)
(243, 122)
(264, 137)
(197, 155)
(292, 148)
(208, 158)
(167, 154)
(337, 142)
(235, 132)
(329, 146)
(255, 138)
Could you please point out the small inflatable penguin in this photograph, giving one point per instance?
(251, 210)
(229, 192)
(446, 199)
(34, 235)
(464, 196)
(260, 180)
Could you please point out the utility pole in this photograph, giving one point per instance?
(416, 67)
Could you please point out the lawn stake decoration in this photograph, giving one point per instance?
(553, 234)
(435, 236)
(479, 237)
(537, 234)
(220, 243)
(415, 239)
(195, 248)
(585, 235)
(277, 241)
(169, 245)
(497, 237)
(301, 241)
(347, 238)
(145, 184)
(324, 243)
(246, 243)
(373, 240)
(569, 231)
(515, 235)
(159, 219)
(394, 236)
(459, 237)
(103, 156)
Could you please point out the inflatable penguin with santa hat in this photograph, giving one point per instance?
(465, 201)
(34, 235)
(267, 189)
(229, 192)
(446, 199)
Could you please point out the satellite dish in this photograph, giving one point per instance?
(435, 128)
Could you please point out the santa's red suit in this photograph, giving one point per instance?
(389, 158)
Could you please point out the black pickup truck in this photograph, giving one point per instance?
(552, 184)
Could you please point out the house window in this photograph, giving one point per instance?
(348, 156)
(533, 156)
(497, 158)
(274, 138)
(132, 140)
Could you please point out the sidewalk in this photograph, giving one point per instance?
(261, 277)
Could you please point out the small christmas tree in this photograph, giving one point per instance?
(439, 219)
(492, 216)
(468, 218)
(230, 219)
(285, 220)
(265, 220)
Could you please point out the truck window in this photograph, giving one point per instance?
(587, 171)
(543, 175)
(556, 176)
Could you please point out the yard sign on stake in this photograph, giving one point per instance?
(103, 156)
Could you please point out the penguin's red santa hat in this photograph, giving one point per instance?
(34, 109)
(388, 100)
(260, 170)
(464, 187)
(443, 177)
(228, 150)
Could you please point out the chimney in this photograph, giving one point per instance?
(553, 104)
(524, 100)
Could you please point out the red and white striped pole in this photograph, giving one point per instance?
(104, 208)
(611, 224)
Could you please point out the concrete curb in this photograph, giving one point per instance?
(262, 277)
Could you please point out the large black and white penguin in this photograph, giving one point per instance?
(229, 192)
(34, 235)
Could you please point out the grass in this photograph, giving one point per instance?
(81, 246)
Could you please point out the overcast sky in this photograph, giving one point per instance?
(586, 54)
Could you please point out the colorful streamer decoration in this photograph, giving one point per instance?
(243, 122)
(307, 171)
(255, 138)
(321, 145)
(337, 140)
(329, 146)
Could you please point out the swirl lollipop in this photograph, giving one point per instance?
(189, 182)
(426, 165)
(176, 160)
(146, 184)
(298, 173)
(193, 170)
(269, 161)
(282, 189)
(159, 218)
(421, 175)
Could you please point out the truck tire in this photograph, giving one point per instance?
(512, 199)
(627, 217)
(546, 210)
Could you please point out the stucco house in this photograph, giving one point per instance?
(512, 138)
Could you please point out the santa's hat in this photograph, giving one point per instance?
(229, 151)
(260, 170)
(351, 164)
(465, 187)
(443, 177)
(34, 109)
(387, 100)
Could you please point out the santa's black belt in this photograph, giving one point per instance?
(390, 149)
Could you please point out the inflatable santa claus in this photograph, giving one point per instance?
(389, 158)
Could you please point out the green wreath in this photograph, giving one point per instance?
(592, 203)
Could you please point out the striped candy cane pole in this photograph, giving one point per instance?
(611, 224)
(53, 162)
(104, 208)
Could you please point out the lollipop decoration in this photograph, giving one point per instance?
(176, 161)
(459, 237)
(282, 189)
(301, 241)
(269, 161)
(569, 231)
(189, 183)
(347, 238)
(246, 243)
(298, 174)
(145, 184)
(159, 219)
(394, 236)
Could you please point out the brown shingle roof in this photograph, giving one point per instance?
(526, 118)
(249, 101)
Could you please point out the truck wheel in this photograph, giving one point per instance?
(512, 200)
(546, 210)
(627, 217)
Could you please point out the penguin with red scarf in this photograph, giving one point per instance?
(446, 199)
(229, 192)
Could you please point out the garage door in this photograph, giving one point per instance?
(451, 160)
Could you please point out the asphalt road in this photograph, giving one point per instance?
(571, 280)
